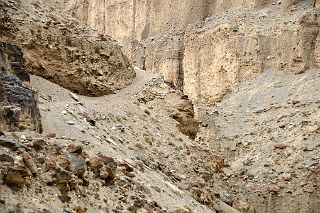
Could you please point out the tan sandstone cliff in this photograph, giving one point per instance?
(207, 47)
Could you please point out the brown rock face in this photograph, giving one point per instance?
(18, 109)
(209, 57)
(219, 56)
(63, 52)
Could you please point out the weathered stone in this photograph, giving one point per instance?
(29, 162)
(273, 189)
(75, 149)
(80, 209)
(126, 166)
(95, 163)
(64, 162)
(280, 145)
(214, 163)
(181, 210)
(15, 176)
(6, 157)
(286, 177)
(64, 198)
(51, 135)
(10, 144)
(18, 109)
(38, 143)
(74, 96)
(70, 122)
(78, 165)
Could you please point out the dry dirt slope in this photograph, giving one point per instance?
(268, 132)
(118, 126)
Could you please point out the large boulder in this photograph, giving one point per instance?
(60, 50)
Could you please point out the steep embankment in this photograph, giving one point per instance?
(57, 48)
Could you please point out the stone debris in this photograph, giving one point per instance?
(233, 127)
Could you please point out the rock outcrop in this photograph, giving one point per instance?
(59, 50)
(233, 47)
(208, 57)
(18, 108)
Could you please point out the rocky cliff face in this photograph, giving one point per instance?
(18, 109)
(208, 57)
(57, 47)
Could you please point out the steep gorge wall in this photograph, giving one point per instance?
(218, 57)
(208, 57)
(56, 47)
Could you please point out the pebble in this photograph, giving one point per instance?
(71, 122)
(68, 210)
(74, 96)
(280, 145)
(23, 137)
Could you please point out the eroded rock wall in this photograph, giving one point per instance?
(151, 31)
(208, 57)
(218, 57)
(60, 50)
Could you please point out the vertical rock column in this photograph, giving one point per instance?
(18, 109)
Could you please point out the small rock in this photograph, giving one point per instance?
(126, 166)
(280, 145)
(70, 122)
(9, 144)
(78, 165)
(51, 135)
(68, 210)
(16, 176)
(142, 210)
(23, 137)
(38, 144)
(64, 112)
(286, 177)
(64, 198)
(214, 163)
(95, 163)
(79, 209)
(75, 149)
(6, 157)
(181, 210)
(18, 160)
(110, 140)
(104, 174)
(74, 96)
(225, 197)
(96, 196)
(29, 162)
(273, 189)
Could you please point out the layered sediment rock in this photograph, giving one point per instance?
(18, 109)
